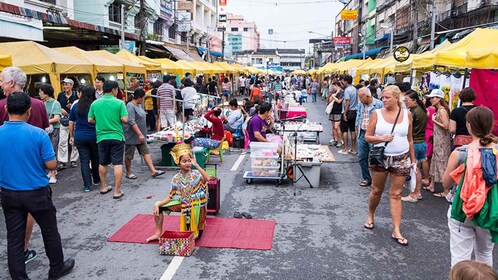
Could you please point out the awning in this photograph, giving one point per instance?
(179, 54)
(211, 52)
(385, 37)
(194, 54)
(367, 53)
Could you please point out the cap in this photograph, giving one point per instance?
(436, 93)
(69, 81)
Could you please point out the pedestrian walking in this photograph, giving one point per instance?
(66, 153)
(25, 190)
(458, 125)
(109, 114)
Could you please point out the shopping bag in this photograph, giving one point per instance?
(411, 181)
(328, 110)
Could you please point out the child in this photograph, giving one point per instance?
(188, 195)
(470, 270)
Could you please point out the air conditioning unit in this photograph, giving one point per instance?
(454, 12)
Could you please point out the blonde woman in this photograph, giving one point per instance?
(399, 156)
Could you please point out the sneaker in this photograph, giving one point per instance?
(68, 266)
(52, 180)
(339, 145)
(332, 143)
(29, 255)
(351, 152)
(73, 164)
(87, 189)
(96, 183)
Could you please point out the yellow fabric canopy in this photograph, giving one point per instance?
(239, 67)
(165, 67)
(128, 66)
(298, 72)
(224, 65)
(253, 70)
(100, 65)
(426, 60)
(150, 66)
(5, 60)
(481, 44)
(405, 66)
(345, 67)
(184, 67)
(168, 64)
(325, 69)
(34, 58)
(383, 67)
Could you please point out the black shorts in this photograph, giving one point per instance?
(349, 125)
(189, 112)
(111, 151)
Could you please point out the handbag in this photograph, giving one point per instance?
(328, 110)
(377, 152)
(50, 128)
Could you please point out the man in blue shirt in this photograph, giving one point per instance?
(24, 188)
(349, 109)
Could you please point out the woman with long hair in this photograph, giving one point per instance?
(391, 125)
(336, 96)
(419, 115)
(83, 135)
(226, 88)
(472, 218)
(441, 139)
(457, 118)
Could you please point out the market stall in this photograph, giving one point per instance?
(5, 60)
(153, 69)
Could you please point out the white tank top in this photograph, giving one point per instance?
(400, 144)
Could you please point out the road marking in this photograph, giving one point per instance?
(237, 163)
(172, 268)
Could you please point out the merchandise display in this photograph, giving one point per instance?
(307, 151)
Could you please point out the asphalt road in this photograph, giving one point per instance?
(319, 232)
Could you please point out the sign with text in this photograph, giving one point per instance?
(184, 5)
(166, 10)
(270, 31)
(222, 18)
(222, 2)
(349, 14)
(401, 54)
(342, 41)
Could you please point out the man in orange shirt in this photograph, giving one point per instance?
(255, 91)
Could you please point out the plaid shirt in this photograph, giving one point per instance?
(364, 113)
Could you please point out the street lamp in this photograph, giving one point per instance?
(391, 36)
(313, 32)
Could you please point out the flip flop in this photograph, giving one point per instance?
(118, 196)
(428, 189)
(442, 195)
(131, 176)
(109, 188)
(369, 225)
(246, 215)
(158, 173)
(400, 240)
(237, 215)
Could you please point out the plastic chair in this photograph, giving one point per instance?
(216, 152)
(246, 141)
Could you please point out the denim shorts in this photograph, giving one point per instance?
(420, 150)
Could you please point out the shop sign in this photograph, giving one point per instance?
(342, 41)
(222, 18)
(401, 54)
(166, 9)
(184, 21)
(222, 2)
(184, 5)
(349, 14)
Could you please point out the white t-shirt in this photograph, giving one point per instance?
(188, 94)
(242, 82)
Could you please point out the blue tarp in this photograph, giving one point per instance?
(367, 53)
(385, 37)
(202, 50)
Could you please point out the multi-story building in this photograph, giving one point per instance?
(287, 60)
(409, 22)
(240, 35)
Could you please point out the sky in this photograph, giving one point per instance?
(290, 20)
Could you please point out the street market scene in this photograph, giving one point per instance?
(216, 139)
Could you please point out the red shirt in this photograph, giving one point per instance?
(38, 117)
(217, 128)
(256, 91)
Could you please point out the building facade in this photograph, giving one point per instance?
(409, 22)
(240, 35)
(286, 60)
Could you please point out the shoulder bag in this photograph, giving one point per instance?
(50, 128)
(377, 152)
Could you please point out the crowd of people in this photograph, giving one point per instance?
(412, 131)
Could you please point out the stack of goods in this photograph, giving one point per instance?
(319, 152)
(264, 159)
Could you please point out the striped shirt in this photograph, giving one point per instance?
(166, 93)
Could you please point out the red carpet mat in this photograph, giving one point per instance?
(219, 232)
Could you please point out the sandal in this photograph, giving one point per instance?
(400, 240)
(109, 188)
(131, 176)
(73, 164)
(237, 215)
(158, 173)
(441, 195)
(369, 226)
(61, 166)
(118, 196)
(427, 188)
(426, 182)
(246, 215)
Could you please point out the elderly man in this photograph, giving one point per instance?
(13, 80)
(25, 189)
(365, 109)
(66, 99)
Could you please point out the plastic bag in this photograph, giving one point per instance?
(411, 181)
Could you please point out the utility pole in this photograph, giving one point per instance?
(415, 24)
(433, 23)
(122, 26)
(208, 45)
(223, 44)
(143, 22)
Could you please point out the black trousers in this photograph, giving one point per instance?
(16, 206)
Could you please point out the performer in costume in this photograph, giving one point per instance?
(188, 195)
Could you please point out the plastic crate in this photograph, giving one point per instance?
(200, 156)
(262, 171)
(264, 149)
(265, 162)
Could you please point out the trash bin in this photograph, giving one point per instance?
(200, 156)
(166, 158)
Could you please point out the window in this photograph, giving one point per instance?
(137, 21)
(115, 12)
(158, 27)
(172, 31)
(246, 29)
(49, 1)
(235, 29)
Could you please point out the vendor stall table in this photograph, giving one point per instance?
(309, 131)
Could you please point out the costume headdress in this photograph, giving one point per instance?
(179, 150)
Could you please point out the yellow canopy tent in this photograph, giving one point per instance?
(150, 66)
(383, 67)
(481, 43)
(185, 67)
(128, 66)
(426, 59)
(239, 67)
(345, 67)
(405, 66)
(34, 58)
(298, 72)
(165, 67)
(364, 69)
(253, 70)
(169, 64)
(324, 69)
(227, 68)
(5, 60)
(100, 65)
